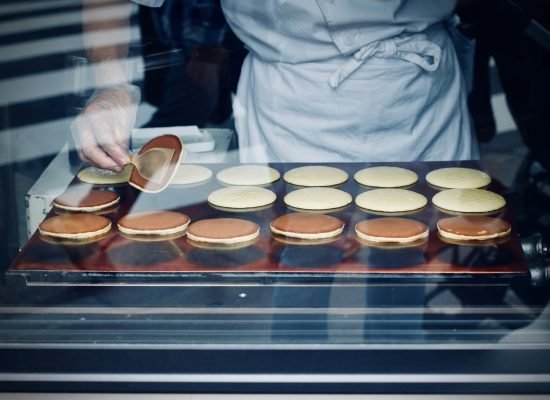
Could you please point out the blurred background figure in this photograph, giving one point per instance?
(196, 63)
(500, 29)
(192, 62)
(514, 37)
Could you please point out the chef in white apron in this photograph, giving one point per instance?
(349, 80)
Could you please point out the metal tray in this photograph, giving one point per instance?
(119, 260)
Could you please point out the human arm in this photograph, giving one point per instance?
(102, 129)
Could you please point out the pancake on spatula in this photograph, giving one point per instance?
(75, 226)
(85, 200)
(156, 163)
(154, 223)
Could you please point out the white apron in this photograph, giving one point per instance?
(349, 80)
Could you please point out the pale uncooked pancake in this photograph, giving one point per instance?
(241, 197)
(189, 174)
(469, 200)
(226, 231)
(315, 175)
(154, 223)
(386, 177)
(391, 230)
(86, 200)
(307, 226)
(458, 178)
(75, 226)
(98, 176)
(391, 200)
(317, 198)
(248, 175)
(473, 228)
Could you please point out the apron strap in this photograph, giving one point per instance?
(415, 49)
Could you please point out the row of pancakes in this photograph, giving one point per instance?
(311, 176)
(230, 230)
(463, 194)
(292, 227)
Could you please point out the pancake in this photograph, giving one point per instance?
(317, 198)
(248, 175)
(458, 178)
(386, 177)
(391, 230)
(227, 231)
(156, 163)
(84, 200)
(189, 174)
(307, 226)
(315, 175)
(152, 238)
(391, 200)
(75, 226)
(241, 197)
(153, 223)
(304, 242)
(98, 176)
(473, 228)
(468, 201)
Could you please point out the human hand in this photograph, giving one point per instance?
(102, 129)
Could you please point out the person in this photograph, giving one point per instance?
(191, 64)
(192, 61)
(501, 30)
(349, 80)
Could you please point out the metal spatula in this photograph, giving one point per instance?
(153, 164)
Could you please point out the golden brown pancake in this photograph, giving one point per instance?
(75, 226)
(473, 228)
(387, 230)
(223, 231)
(307, 226)
(153, 223)
(85, 200)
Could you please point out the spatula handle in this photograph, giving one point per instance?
(132, 159)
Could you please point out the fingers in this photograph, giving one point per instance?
(90, 149)
(103, 128)
(111, 141)
(93, 152)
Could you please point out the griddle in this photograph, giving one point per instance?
(116, 259)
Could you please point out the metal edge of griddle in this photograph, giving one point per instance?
(56, 278)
